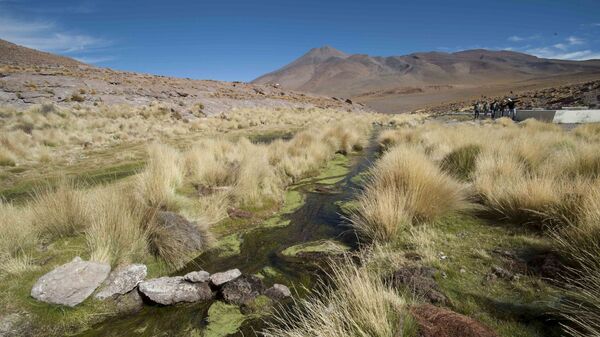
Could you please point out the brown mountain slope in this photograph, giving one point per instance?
(405, 83)
(29, 77)
(11, 53)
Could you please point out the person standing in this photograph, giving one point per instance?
(476, 110)
(512, 110)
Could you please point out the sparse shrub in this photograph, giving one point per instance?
(157, 183)
(77, 98)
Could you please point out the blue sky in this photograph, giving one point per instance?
(241, 39)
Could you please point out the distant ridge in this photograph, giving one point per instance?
(329, 71)
(11, 53)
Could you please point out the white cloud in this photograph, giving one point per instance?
(574, 40)
(552, 53)
(47, 36)
(94, 59)
(516, 38)
(561, 46)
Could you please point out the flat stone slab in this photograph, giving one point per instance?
(224, 277)
(122, 281)
(71, 283)
(172, 290)
(197, 276)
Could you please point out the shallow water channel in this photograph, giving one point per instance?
(260, 250)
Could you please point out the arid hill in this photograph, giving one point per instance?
(30, 77)
(11, 53)
(406, 83)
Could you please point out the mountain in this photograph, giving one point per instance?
(382, 81)
(29, 77)
(11, 53)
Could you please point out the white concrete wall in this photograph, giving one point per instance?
(576, 116)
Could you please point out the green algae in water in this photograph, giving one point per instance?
(347, 207)
(293, 201)
(271, 272)
(275, 222)
(229, 246)
(223, 319)
(320, 246)
(335, 171)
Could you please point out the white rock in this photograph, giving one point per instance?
(171, 290)
(122, 281)
(71, 283)
(197, 276)
(224, 277)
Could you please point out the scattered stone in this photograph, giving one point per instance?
(278, 292)
(242, 289)
(420, 281)
(122, 281)
(171, 290)
(439, 322)
(197, 276)
(71, 283)
(462, 270)
(218, 279)
(349, 101)
(236, 213)
(442, 256)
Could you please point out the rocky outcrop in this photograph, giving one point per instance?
(439, 322)
(172, 290)
(242, 289)
(278, 292)
(71, 283)
(122, 281)
(219, 279)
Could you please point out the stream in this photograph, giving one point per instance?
(318, 218)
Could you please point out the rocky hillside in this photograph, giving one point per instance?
(30, 77)
(571, 95)
(11, 53)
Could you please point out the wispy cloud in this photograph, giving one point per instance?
(47, 36)
(516, 38)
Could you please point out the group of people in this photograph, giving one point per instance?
(497, 108)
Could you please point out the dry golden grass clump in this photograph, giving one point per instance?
(405, 188)
(360, 304)
(118, 221)
(531, 173)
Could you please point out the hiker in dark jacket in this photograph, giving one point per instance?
(512, 111)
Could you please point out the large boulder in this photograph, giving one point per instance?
(242, 289)
(182, 232)
(122, 281)
(219, 279)
(71, 283)
(171, 290)
(439, 322)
